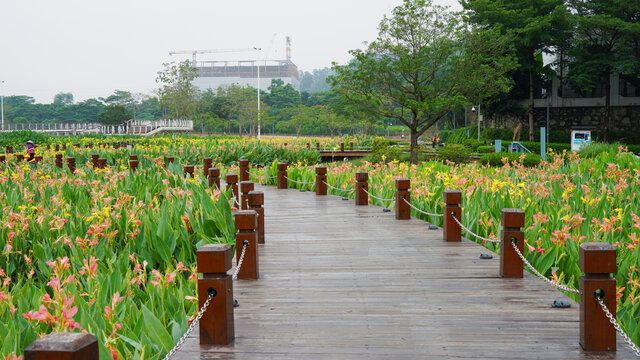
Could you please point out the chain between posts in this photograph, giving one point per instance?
(263, 176)
(245, 245)
(375, 197)
(474, 234)
(421, 211)
(298, 182)
(335, 188)
(615, 324)
(542, 277)
(233, 196)
(193, 325)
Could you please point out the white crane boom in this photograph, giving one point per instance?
(210, 51)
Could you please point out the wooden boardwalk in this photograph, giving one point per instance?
(346, 282)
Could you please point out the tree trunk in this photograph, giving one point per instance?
(531, 103)
(607, 107)
(414, 144)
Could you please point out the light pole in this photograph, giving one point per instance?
(2, 103)
(258, 49)
(473, 109)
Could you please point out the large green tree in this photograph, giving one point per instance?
(177, 92)
(114, 115)
(424, 63)
(606, 43)
(534, 24)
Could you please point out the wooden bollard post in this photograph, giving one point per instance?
(206, 165)
(308, 146)
(351, 146)
(451, 231)
(94, 160)
(341, 147)
(511, 265)
(282, 176)
(102, 163)
(169, 159)
(9, 149)
(133, 164)
(232, 183)
(246, 221)
(3, 158)
(188, 170)
(318, 146)
(19, 158)
(216, 325)
(243, 165)
(214, 177)
(59, 160)
(597, 262)
(362, 198)
(63, 346)
(57, 147)
(71, 164)
(133, 157)
(64, 147)
(321, 179)
(403, 210)
(256, 201)
(245, 188)
(38, 159)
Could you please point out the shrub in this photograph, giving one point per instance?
(473, 144)
(382, 152)
(454, 152)
(485, 149)
(596, 148)
(495, 159)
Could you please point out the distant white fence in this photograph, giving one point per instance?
(132, 127)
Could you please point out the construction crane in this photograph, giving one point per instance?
(210, 51)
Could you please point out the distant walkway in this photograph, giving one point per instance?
(131, 127)
(340, 281)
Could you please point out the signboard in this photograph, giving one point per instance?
(580, 139)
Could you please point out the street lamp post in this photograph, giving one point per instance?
(473, 109)
(2, 103)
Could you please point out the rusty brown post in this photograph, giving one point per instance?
(511, 265)
(216, 325)
(133, 157)
(71, 163)
(597, 262)
(341, 147)
(3, 158)
(246, 221)
(451, 231)
(285, 145)
(318, 146)
(133, 164)
(244, 169)
(63, 346)
(321, 179)
(64, 147)
(94, 160)
(351, 146)
(308, 146)
(207, 162)
(232, 182)
(188, 170)
(245, 188)
(9, 149)
(256, 201)
(48, 147)
(19, 158)
(57, 147)
(169, 159)
(214, 177)
(102, 163)
(362, 198)
(282, 176)
(59, 160)
(403, 210)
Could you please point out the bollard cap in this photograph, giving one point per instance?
(513, 218)
(62, 342)
(133, 163)
(93, 156)
(207, 161)
(403, 184)
(282, 166)
(188, 168)
(245, 219)
(362, 176)
(256, 198)
(71, 159)
(243, 162)
(598, 258)
(170, 159)
(321, 170)
(246, 186)
(133, 157)
(232, 178)
(452, 197)
(214, 258)
(214, 172)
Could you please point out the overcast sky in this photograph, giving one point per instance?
(91, 48)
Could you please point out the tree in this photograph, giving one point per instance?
(605, 44)
(533, 25)
(176, 91)
(423, 64)
(114, 115)
(62, 99)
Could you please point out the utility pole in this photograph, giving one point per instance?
(2, 103)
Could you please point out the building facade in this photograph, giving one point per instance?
(254, 73)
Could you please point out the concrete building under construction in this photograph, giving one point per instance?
(255, 73)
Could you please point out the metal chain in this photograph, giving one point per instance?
(194, 323)
(235, 200)
(298, 182)
(263, 176)
(375, 197)
(542, 277)
(472, 233)
(244, 248)
(420, 211)
(335, 188)
(615, 324)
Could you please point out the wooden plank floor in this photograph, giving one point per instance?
(346, 282)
